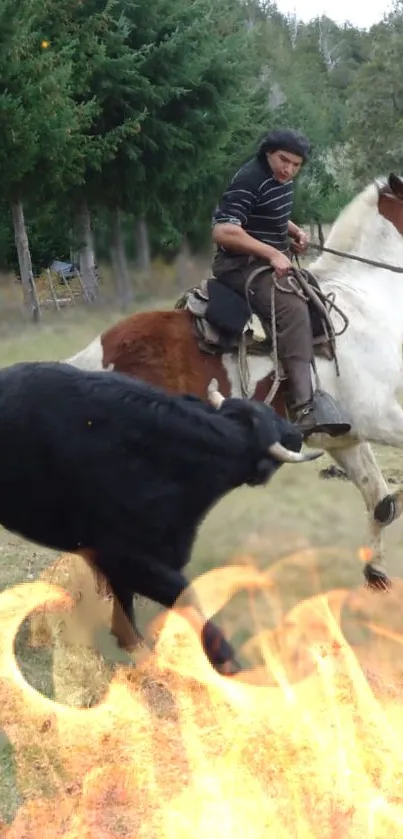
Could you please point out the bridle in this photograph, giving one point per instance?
(385, 265)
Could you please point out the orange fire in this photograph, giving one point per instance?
(365, 553)
(307, 743)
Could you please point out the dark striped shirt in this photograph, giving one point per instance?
(258, 203)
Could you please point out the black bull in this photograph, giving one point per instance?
(104, 464)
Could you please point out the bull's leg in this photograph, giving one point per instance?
(165, 585)
(359, 463)
(123, 622)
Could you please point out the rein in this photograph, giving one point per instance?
(385, 265)
(301, 287)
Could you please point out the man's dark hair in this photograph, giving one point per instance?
(288, 140)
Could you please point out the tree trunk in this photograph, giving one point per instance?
(86, 252)
(24, 260)
(320, 235)
(183, 266)
(143, 246)
(119, 262)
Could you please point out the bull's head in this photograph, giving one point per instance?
(276, 449)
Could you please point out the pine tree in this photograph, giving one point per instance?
(40, 124)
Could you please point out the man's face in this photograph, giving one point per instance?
(284, 164)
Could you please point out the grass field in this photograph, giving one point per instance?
(296, 512)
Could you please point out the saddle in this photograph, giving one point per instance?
(223, 322)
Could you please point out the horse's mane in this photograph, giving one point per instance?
(353, 223)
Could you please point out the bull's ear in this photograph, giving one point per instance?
(396, 185)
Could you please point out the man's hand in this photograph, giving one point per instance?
(281, 264)
(301, 241)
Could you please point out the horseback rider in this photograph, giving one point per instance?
(251, 229)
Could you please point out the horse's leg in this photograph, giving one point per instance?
(358, 461)
(389, 432)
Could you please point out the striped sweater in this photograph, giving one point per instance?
(258, 203)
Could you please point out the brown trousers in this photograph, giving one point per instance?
(294, 333)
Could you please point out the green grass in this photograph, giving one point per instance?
(10, 798)
(295, 512)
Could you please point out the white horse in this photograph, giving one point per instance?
(369, 351)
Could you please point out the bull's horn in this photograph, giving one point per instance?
(286, 456)
(214, 396)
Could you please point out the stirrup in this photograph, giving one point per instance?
(306, 423)
(320, 416)
(327, 412)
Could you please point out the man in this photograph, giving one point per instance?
(251, 228)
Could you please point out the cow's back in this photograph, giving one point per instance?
(160, 347)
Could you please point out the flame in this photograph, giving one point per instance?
(365, 553)
(306, 743)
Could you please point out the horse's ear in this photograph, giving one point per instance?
(396, 185)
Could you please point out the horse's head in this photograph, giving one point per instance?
(370, 226)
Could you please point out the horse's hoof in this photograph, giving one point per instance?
(385, 511)
(376, 577)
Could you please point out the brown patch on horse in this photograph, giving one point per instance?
(160, 348)
(391, 208)
(390, 202)
(263, 389)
